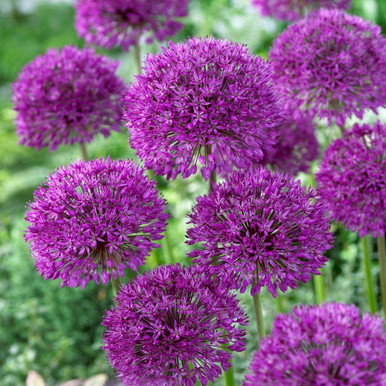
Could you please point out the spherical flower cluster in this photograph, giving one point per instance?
(65, 96)
(331, 64)
(261, 228)
(297, 145)
(121, 23)
(352, 179)
(170, 327)
(203, 101)
(327, 345)
(94, 219)
(295, 9)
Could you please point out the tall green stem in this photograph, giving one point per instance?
(259, 316)
(367, 268)
(320, 291)
(382, 269)
(229, 376)
(137, 56)
(83, 151)
(116, 283)
(279, 303)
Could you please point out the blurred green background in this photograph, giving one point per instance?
(56, 331)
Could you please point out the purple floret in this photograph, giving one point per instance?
(92, 220)
(296, 9)
(297, 146)
(329, 345)
(170, 327)
(352, 179)
(203, 101)
(260, 228)
(65, 96)
(122, 23)
(331, 64)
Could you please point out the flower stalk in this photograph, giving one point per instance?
(259, 316)
(366, 250)
(382, 269)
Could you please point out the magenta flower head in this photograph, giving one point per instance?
(94, 219)
(203, 101)
(297, 145)
(260, 228)
(329, 344)
(65, 96)
(170, 326)
(293, 10)
(110, 23)
(352, 179)
(331, 64)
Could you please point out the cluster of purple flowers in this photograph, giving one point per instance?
(295, 9)
(327, 345)
(65, 96)
(332, 64)
(352, 179)
(121, 23)
(203, 101)
(92, 220)
(260, 228)
(170, 327)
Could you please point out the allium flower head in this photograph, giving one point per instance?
(352, 179)
(169, 325)
(260, 228)
(331, 64)
(296, 9)
(110, 23)
(329, 344)
(65, 96)
(297, 145)
(203, 101)
(94, 219)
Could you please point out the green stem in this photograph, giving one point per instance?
(83, 151)
(116, 283)
(320, 291)
(382, 269)
(229, 376)
(259, 316)
(137, 56)
(168, 254)
(367, 268)
(279, 304)
(212, 180)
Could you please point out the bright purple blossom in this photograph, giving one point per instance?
(297, 145)
(202, 101)
(94, 219)
(331, 64)
(352, 179)
(65, 96)
(296, 9)
(110, 23)
(169, 327)
(260, 228)
(329, 344)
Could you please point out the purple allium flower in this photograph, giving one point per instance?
(297, 145)
(94, 219)
(261, 228)
(203, 101)
(331, 64)
(65, 96)
(170, 326)
(352, 179)
(296, 9)
(329, 344)
(110, 23)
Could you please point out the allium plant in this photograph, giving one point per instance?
(297, 145)
(260, 228)
(203, 101)
(329, 344)
(92, 220)
(331, 64)
(296, 9)
(110, 23)
(352, 179)
(170, 326)
(65, 96)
